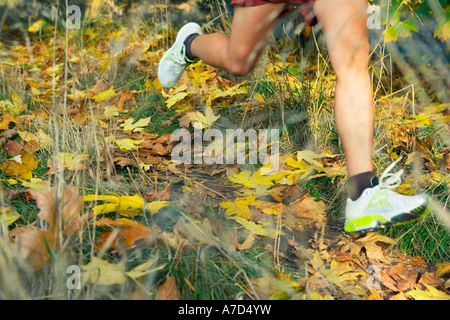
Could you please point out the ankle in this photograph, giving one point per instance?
(187, 43)
(359, 182)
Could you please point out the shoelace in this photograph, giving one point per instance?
(391, 180)
(179, 58)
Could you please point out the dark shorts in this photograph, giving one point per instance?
(306, 7)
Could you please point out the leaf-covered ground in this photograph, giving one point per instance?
(88, 179)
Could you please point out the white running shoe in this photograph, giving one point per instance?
(174, 61)
(379, 206)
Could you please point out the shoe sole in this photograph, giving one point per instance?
(182, 34)
(376, 222)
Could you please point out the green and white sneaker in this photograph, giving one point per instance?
(174, 61)
(379, 206)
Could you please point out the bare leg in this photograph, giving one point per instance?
(239, 52)
(344, 27)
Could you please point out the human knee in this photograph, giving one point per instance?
(350, 54)
(241, 62)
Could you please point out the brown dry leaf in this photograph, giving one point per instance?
(37, 245)
(69, 208)
(247, 242)
(100, 86)
(68, 161)
(130, 233)
(429, 278)
(161, 195)
(160, 146)
(371, 242)
(196, 232)
(168, 290)
(309, 209)
(388, 282)
(34, 246)
(406, 279)
(13, 148)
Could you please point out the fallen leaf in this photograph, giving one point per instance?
(144, 269)
(130, 232)
(21, 169)
(247, 242)
(159, 146)
(68, 206)
(442, 269)
(308, 208)
(44, 139)
(102, 272)
(35, 184)
(130, 126)
(13, 148)
(261, 229)
(430, 294)
(105, 95)
(226, 92)
(128, 144)
(67, 161)
(8, 215)
(157, 205)
(369, 242)
(125, 205)
(36, 26)
(203, 121)
(168, 290)
(36, 246)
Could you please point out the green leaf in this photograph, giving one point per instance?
(391, 34)
(442, 29)
(9, 216)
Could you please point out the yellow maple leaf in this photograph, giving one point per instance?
(69, 161)
(239, 207)
(16, 107)
(203, 121)
(144, 269)
(157, 205)
(36, 26)
(21, 167)
(430, 294)
(260, 229)
(35, 184)
(125, 205)
(102, 96)
(130, 126)
(173, 100)
(227, 92)
(259, 179)
(310, 157)
(40, 136)
(124, 144)
(110, 111)
(8, 215)
(103, 272)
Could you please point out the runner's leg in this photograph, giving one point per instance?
(344, 26)
(239, 52)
